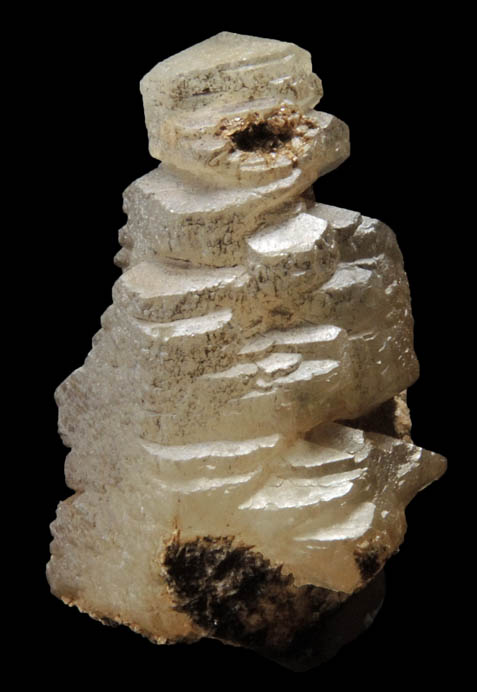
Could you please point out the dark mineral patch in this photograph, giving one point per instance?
(236, 595)
(261, 136)
(369, 562)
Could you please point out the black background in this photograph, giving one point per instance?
(388, 76)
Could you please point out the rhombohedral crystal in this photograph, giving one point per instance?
(240, 452)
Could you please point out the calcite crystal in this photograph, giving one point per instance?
(240, 451)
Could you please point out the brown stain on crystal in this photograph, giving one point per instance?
(268, 135)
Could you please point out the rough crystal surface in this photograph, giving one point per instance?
(229, 418)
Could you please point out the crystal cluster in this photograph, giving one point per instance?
(227, 426)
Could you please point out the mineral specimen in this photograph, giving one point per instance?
(240, 449)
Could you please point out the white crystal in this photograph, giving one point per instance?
(249, 320)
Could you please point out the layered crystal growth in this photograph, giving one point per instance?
(218, 412)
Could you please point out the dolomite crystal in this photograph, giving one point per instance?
(230, 470)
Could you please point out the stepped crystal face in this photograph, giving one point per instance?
(240, 452)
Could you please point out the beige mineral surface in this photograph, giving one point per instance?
(215, 427)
